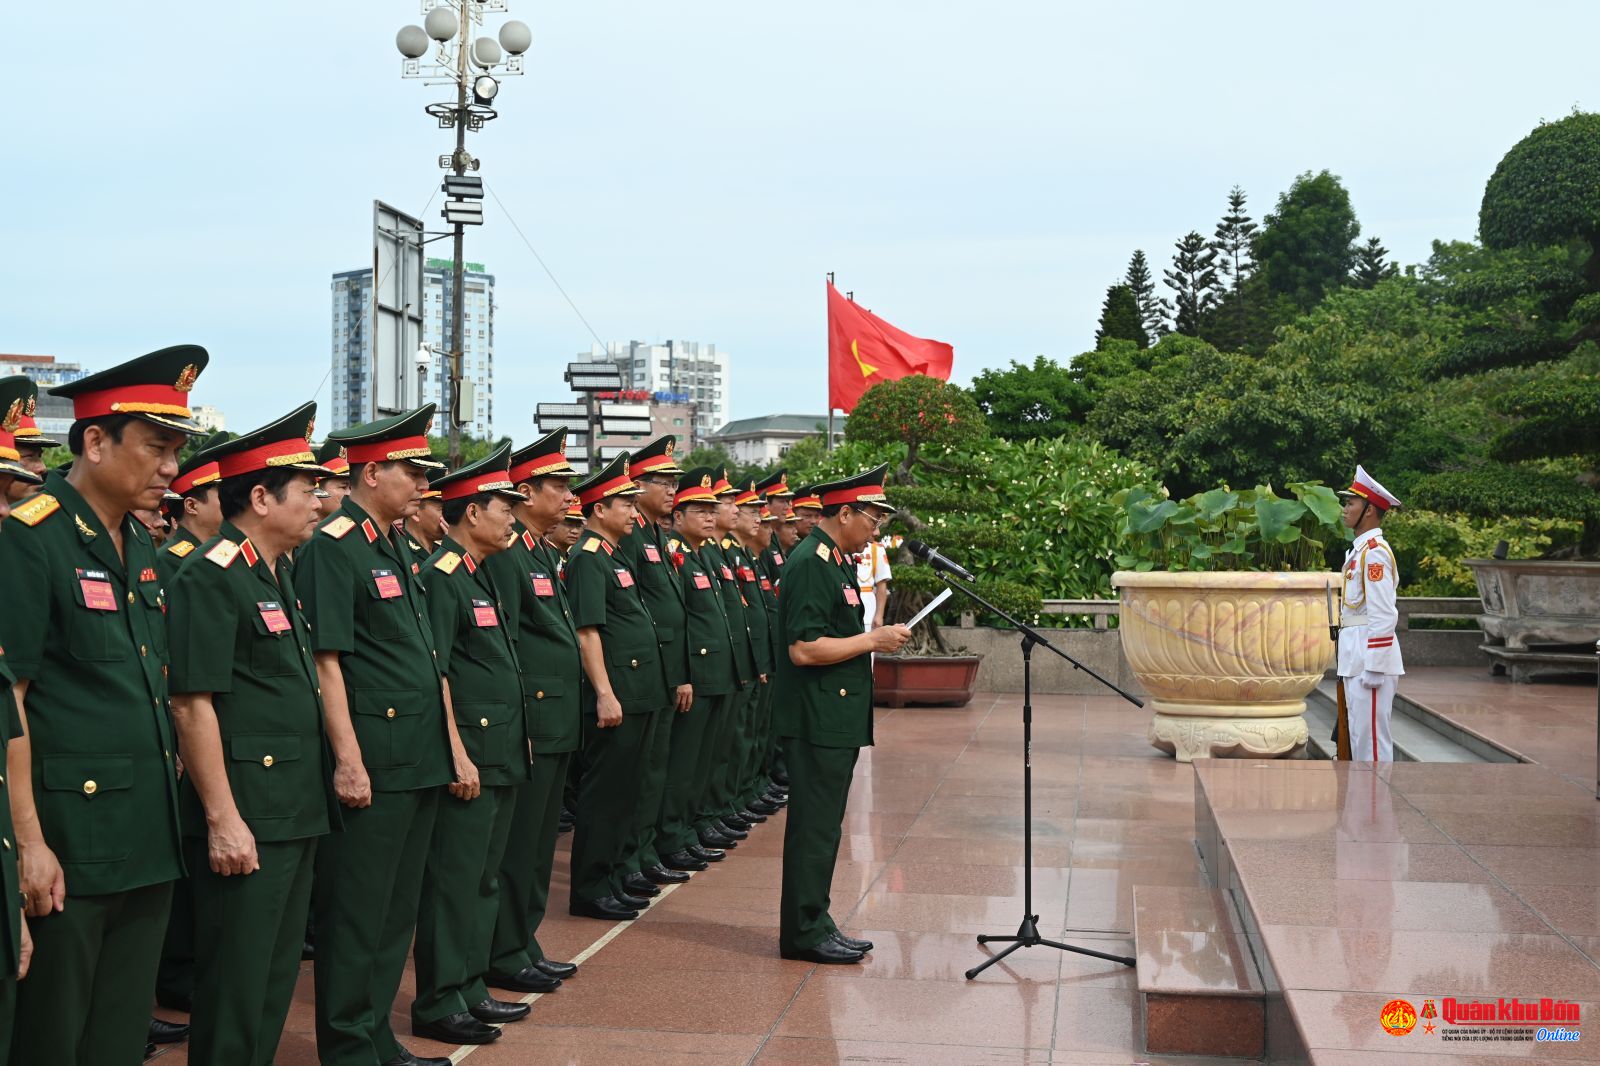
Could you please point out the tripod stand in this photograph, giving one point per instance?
(1027, 934)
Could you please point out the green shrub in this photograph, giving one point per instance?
(1430, 546)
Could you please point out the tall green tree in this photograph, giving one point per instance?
(1234, 241)
(1119, 318)
(1372, 265)
(1153, 310)
(1194, 283)
(1027, 401)
(1306, 245)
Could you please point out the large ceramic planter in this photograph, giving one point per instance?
(942, 680)
(1529, 601)
(1227, 658)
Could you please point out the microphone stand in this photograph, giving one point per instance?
(1027, 934)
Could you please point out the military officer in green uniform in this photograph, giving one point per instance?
(743, 552)
(394, 741)
(528, 574)
(257, 790)
(711, 671)
(623, 699)
(645, 548)
(713, 822)
(93, 784)
(16, 947)
(826, 664)
(427, 527)
(779, 499)
(30, 444)
(471, 633)
(336, 486)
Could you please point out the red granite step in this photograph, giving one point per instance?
(1199, 989)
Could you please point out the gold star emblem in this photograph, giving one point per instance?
(186, 378)
(669, 448)
(705, 481)
(13, 416)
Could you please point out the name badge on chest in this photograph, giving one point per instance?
(625, 577)
(652, 553)
(98, 594)
(702, 581)
(273, 615)
(484, 614)
(542, 585)
(387, 583)
(727, 574)
(851, 597)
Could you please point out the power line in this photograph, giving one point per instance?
(545, 267)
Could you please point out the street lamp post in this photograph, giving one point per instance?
(448, 25)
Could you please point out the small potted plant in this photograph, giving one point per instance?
(1226, 605)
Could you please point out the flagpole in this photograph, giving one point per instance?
(828, 447)
(830, 429)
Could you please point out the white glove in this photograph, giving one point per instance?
(1371, 679)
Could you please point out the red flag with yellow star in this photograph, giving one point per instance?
(863, 350)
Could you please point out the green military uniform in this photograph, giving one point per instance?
(16, 396)
(85, 628)
(715, 678)
(358, 581)
(746, 774)
(718, 797)
(240, 638)
(825, 722)
(773, 487)
(645, 549)
(546, 641)
(473, 636)
(604, 593)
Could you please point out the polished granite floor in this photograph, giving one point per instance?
(932, 856)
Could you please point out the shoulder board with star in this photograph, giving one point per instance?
(592, 544)
(223, 552)
(447, 562)
(32, 512)
(180, 548)
(822, 551)
(338, 526)
(727, 542)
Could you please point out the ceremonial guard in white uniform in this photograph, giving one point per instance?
(1369, 651)
(872, 576)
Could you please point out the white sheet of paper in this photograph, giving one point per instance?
(936, 601)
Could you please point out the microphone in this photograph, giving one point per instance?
(931, 556)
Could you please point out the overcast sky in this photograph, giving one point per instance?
(977, 173)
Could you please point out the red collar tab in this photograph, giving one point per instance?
(248, 550)
(527, 540)
(472, 565)
(370, 530)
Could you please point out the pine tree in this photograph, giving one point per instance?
(1234, 243)
(1371, 265)
(1193, 280)
(1152, 309)
(1119, 318)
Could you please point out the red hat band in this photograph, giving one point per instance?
(202, 475)
(1368, 493)
(386, 451)
(747, 498)
(8, 446)
(278, 453)
(596, 493)
(538, 466)
(132, 400)
(489, 482)
(859, 494)
(28, 428)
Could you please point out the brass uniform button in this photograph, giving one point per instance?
(539, 695)
(143, 650)
(130, 595)
(90, 788)
(6, 842)
(842, 692)
(484, 722)
(634, 663)
(389, 713)
(266, 760)
(702, 651)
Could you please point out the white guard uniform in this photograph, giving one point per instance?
(872, 566)
(1368, 648)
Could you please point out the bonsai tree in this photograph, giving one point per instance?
(1533, 315)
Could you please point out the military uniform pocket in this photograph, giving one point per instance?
(87, 812)
(271, 654)
(262, 771)
(96, 636)
(484, 729)
(389, 727)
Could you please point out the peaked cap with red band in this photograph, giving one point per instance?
(490, 475)
(279, 445)
(28, 431)
(575, 513)
(331, 455)
(863, 488)
(748, 496)
(1367, 487)
(16, 394)
(199, 470)
(807, 498)
(722, 487)
(400, 438)
(154, 388)
(611, 480)
(775, 486)
(696, 486)
(545, 457)
(655, 458)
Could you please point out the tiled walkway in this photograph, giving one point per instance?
(932, 856)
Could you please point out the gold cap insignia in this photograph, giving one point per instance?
(311, 429)
(669, 447)
(705, 481)
(31, 406)
(186, 378)
(13, 416)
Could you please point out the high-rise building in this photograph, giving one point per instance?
(697, 371)
(352, 401)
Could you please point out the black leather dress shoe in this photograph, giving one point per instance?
(781, 780)
(460, 1028)
(705, 854)
(406, 1058)
(499, 1012)
(712, 838)
(527, 979)
(659, 874)
(733, 830)
(605, 908)
(764, 807)
(638, 903)
(752, 817)
(684, 860)
(562, 970)
(735, 822)
(639, 885)
(828, 951)
(851, 942)
(165, 1032)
